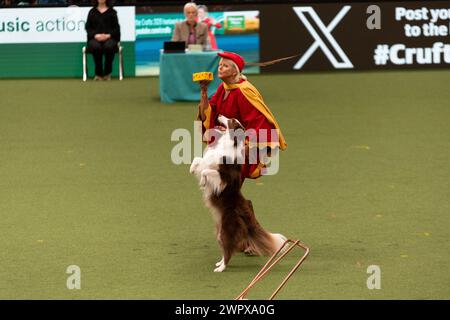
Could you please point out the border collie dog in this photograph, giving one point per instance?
(219, 173)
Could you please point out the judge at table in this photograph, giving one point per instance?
(190, 30)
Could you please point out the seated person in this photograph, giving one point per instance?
(190, 30)
(103, 32)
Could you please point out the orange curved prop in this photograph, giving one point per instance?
(266, 268)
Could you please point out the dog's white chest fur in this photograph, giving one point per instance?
(225, 146)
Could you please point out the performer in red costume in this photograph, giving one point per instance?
(237, 98)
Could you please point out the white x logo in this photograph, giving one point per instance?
(326, 30)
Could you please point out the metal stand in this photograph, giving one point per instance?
(271, 263)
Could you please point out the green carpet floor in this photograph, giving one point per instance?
(86, 179)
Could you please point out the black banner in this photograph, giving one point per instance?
(356, 36)
(209, 309)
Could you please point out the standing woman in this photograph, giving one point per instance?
(203, 17)
(103, 34)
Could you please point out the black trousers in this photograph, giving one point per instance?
(100, 49)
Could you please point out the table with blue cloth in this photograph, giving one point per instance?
(175, 75)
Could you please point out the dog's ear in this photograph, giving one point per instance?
(235, 124)
(213, 135)
(237, 133)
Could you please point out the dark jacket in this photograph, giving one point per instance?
(106, 22)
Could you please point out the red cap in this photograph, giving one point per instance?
(233, 57)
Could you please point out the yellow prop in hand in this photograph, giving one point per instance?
(202, 76)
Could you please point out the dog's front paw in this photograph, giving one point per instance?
(220, 268)
(195, 162)
(211, 178)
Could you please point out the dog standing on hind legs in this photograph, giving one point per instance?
(219, 173)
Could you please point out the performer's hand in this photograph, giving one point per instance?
(204, 98)
(204, 85)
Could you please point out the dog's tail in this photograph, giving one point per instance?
(261, 242)
(279, 240)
